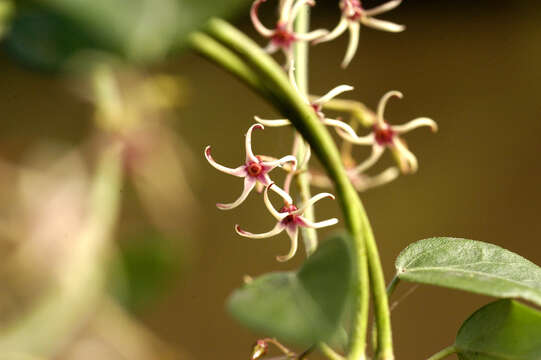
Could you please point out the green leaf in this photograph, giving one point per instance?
(46, 33)
(472, 266)
(502, 330)
(302, 307)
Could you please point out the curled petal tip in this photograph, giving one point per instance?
(283, 258)
(257, 126)
(238, 230)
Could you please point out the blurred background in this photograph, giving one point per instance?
(174, 258)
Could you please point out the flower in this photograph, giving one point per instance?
(316, 104)
(387, 136)
(283, 35)
(360, 181)
(255, 169)
(289, 219)
(353, 15)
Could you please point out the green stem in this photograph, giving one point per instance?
(444, 353)
(306, 122)
(392, 286)
(329, 352)
(302, 25)
(214, 51)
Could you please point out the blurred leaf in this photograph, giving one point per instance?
(301, 307)
(46, 33)
(470, 265)
(501, 330)
(145, 269)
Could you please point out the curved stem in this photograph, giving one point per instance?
(444, 353)
(300, 54)
(305, 120)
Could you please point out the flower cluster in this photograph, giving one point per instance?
(256, 168)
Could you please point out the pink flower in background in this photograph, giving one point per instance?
(255, 170)
(387, 136)
(283, 35)
(353, 15)
(289, 219)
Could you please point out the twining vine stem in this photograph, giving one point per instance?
(240, 49)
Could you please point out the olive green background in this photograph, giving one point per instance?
(473, 66)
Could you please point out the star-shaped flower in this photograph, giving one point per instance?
(353, 15)
(388, 136)
(255, 169)
(283, 35)
(289, 219)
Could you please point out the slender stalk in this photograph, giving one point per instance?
(444, 353)
(305, 120)
(392, 286)
(329, 352)
(300, 55)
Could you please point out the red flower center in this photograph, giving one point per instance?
(356, 7)
(282, 37)
(254, 169)
(288, 208)
(384, 136)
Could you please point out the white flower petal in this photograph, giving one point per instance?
(273, 123)
(278, 228)
(249, 184)
(382, 24)
(248, 143)
(239, 172)
(414, 124)
(354, 30)
(388, 6)
(311, 202)
(293, 233)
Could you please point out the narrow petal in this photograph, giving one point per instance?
(332, 94)
(354, 29)
(336, 32)
(239, 172)
(380, 118)
(341, 125)
(248, 143)
(293, 233)
(277, 215)
(285, 11)
(388, 6)
(271, 48)
(256, 22)
(359, 140)
(287, 198)
(312, 35)
(269, 165)
(406, 159)
(316, 225)
(278, 228)
(293, 82)
(296, 8)
(382, 25)
(414, 124)
(367, 182)
(273, 123)
(264, 179)
(311, 202)
(249, 184)
(377, 151)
